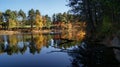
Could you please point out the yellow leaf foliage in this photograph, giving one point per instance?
(38, 22)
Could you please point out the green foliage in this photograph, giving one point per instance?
(14, 19)
(31, 17)
(54, 18)
(37, 12)
(48, 21)
(1, 17)
(106, 26)
(63, 17)
(101, 16)
(22, 15)
(59, 17)
(12, 23)
(11, 18)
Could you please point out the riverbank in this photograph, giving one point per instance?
(12, 32)
(7, 32)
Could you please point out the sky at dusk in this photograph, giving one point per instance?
(45, 6)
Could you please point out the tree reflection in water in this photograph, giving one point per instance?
(93, 55)
(83, 55)
(14, 44)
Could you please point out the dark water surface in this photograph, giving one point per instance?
(29, 50)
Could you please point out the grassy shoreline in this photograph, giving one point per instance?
(9, 32)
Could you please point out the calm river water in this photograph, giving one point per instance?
(48, 50)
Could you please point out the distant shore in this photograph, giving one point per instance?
(7, 32)
(10, 32)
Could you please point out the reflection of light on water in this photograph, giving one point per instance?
(5, 44)
(20, 44)
(5, 41)
(51, 42)
(83, 45)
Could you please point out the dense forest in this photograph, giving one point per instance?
(33, 19)
(102, 17)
